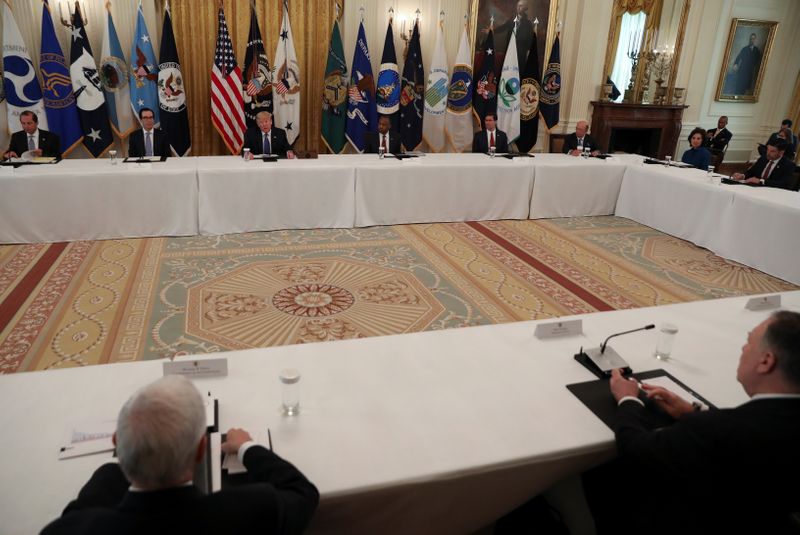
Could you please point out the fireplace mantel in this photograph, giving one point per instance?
(608, 116)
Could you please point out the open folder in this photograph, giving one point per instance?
(597, 397)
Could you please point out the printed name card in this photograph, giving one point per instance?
(764, 302)
(558, 329)
(197, 368)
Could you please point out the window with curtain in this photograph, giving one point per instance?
(631, 31)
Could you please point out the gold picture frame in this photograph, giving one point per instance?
(746, 55)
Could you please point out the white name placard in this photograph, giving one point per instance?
(557, 329)
(764, 302)
(197, 368)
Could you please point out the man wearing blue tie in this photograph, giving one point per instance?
(266, 139)
(149, 141)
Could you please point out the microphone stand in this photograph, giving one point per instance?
(602, 360)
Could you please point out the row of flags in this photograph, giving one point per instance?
(437, 107)
(82, 103)
(237, 97)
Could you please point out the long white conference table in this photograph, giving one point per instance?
(94, 200)
(758, 227)
(83, 200)
(435, 432)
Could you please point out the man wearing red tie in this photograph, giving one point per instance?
(772, 170)
(384, 137)
(490, 136)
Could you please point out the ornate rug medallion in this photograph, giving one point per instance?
(278, 302)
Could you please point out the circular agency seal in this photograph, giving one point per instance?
(171, 95)
(335, 91)
(113, 74)
(529, 99)
(459, 98)
(551, 84)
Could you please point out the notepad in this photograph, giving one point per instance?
(88, 437)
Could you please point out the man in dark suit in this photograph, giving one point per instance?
(266, 139)
(31, 138)
(773, 169)
(575, 143)
(490, 136)
(732, 470)
(384, 137)
(149, 141)
(718, 138)
(160, 438)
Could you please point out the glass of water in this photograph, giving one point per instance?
(666, 339)
(290, 391)
(669, 160)
(112, 154)
(246, 154)
(381, 152)
(492, 151)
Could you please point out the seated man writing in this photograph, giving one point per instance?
(32, 138)
(730, 470)
(773, 169)
(160, 437)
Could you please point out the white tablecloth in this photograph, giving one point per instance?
(429, 432)
(569, 186)
(238, 196)
(441, 188)
(92, 200)
(755, 226)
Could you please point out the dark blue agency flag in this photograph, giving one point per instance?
(97, 136)
(412, 92)
(485, 96)
(529, 100)
(551, 87)
(257, 76)
(388, 91)
(362, 115)
(171, 93)
(59, 100)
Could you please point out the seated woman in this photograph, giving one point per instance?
(697, 156)
(788, 136)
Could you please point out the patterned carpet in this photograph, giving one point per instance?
(64, 305)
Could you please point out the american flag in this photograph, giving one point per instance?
(253, 87)
(227, 107)
(282, 87)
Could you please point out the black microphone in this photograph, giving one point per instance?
(645, 328)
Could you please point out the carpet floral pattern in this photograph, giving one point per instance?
(83, 303)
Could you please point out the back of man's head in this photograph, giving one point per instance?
(782, 337)
(158, 433)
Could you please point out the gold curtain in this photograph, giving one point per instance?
(651, 8)
(195, 26)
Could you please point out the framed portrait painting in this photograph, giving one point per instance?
(506, 15)
(746, 55)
